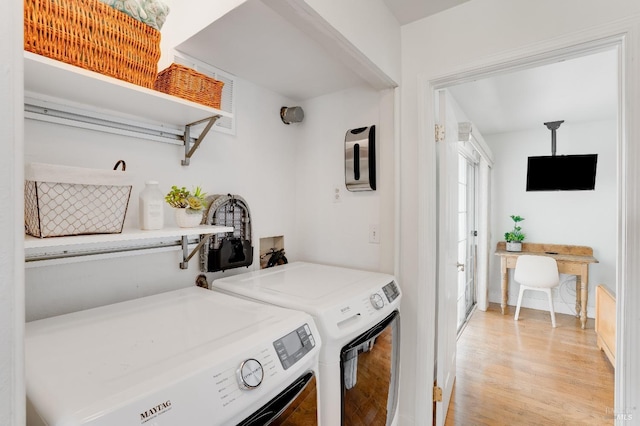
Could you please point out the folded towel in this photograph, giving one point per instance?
(151, 12)
(350, 366)
(157, 13)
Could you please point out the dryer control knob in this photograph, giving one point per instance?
(250, 374)
(376, 301)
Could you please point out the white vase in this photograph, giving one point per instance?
(514, 246)
(187, 220)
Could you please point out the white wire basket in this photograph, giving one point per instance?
(64, 200)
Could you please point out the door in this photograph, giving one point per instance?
(467, 234)
(447, 252)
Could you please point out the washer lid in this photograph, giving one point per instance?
(102, 358)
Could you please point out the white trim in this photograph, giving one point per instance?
(427, 222)
(627, 371)
(484, 238)
(12, 299)
(397, 180)
(625, 35)
(481, 146)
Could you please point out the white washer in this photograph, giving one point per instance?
(357, 313)
(186, 357)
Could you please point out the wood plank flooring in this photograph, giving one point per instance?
(527, 373)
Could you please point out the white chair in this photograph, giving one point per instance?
(537, 273)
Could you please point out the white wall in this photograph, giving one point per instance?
(257, 164)
(338, 232)
(12, 399)
(479, 33)
(183, 22)
(586, 218)
(287, 174)
(376, 32)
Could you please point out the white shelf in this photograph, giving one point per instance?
(46, 78)
(133, 241)
(126, 235)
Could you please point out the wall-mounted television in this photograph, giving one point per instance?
(562, 173)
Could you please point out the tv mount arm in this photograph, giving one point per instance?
(553, 126)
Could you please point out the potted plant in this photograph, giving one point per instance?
(189, 205)
(515, 237)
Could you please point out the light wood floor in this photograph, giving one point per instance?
(528, 373)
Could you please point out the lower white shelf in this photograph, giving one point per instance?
(126, 235)
(130, 240)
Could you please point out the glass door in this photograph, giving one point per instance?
(369, 375)
(467, 236)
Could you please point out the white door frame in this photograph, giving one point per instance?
(626, 35)
(12, 388)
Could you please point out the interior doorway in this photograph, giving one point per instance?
(614, 46)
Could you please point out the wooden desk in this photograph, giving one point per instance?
(572, 260)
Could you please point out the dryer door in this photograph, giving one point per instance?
(369, 374)
(297, 404)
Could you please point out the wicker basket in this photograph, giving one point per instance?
(62, 200)
(189, 84)
(91, 35)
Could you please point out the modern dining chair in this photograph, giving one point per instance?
(538, 273)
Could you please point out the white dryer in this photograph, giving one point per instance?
(357, 313)
(186, 357)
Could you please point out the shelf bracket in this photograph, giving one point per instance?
(186, 256)
(189, 149)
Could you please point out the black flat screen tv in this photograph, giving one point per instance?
(562, 173)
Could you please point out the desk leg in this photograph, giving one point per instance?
(578, 296)
(505, 284)
(584, 286)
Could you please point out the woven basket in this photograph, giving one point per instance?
(181, 81)
(91, 35)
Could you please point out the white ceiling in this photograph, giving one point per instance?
(257, 43)
(407, 11)
(576, 90)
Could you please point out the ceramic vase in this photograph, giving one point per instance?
(187, 220)
(514, 246)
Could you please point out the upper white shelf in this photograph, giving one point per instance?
(126, 235)
(47, 78)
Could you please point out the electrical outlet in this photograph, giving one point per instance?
(374, 234)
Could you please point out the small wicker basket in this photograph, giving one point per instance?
(91, 35)
(186, 83)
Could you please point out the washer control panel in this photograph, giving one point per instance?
(391, 291)
(294, 346)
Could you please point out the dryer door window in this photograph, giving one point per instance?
(297, 404)
(369, 375)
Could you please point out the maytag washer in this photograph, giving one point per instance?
(357, 313)
(186, 357)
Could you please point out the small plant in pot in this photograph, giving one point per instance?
(189, 205)
(515, 237)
